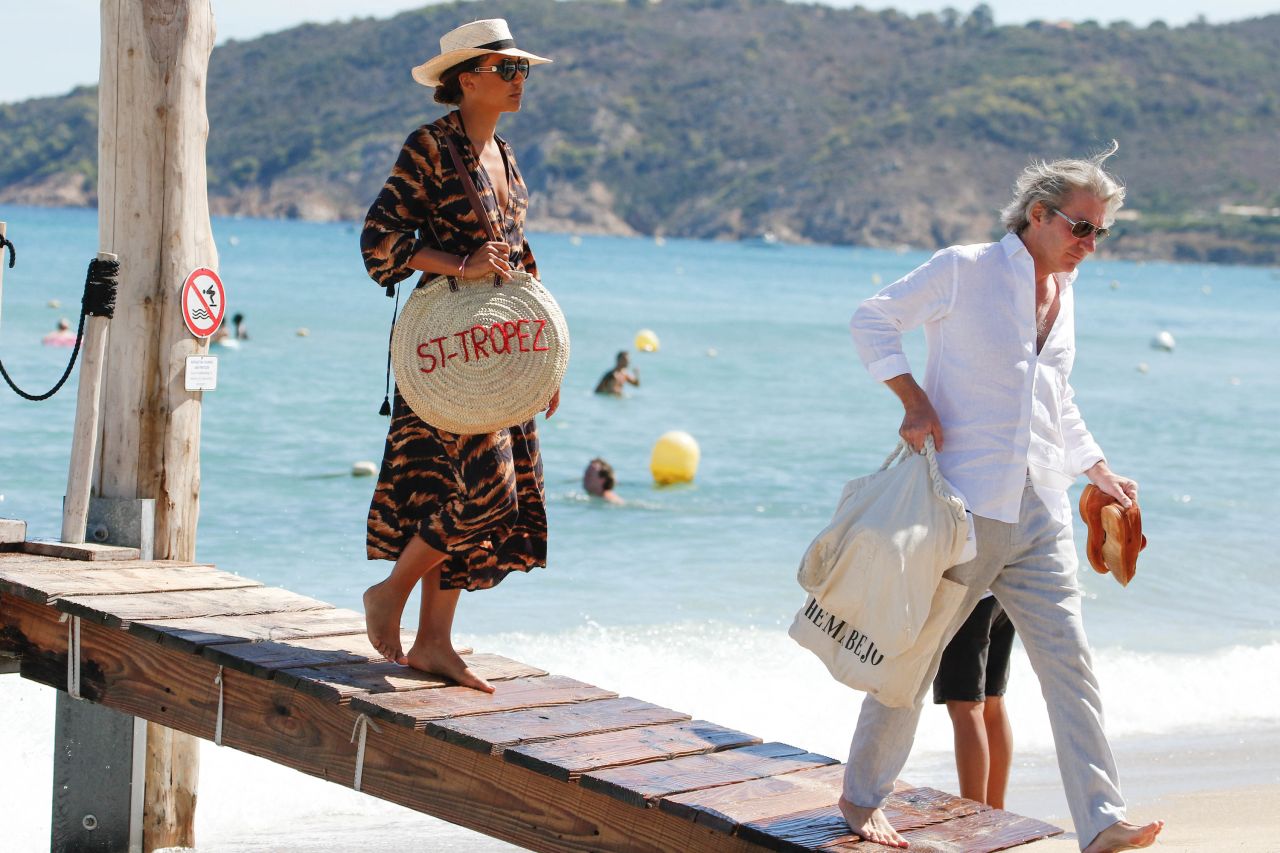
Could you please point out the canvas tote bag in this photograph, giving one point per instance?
(879, 608)
(853, 658)
(894, 532)
(477, 355)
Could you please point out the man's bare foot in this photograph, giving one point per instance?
(443, 660)
(871, 824)
(382, 621)
(1125, 836)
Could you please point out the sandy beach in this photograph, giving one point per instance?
(1245, 820)
(1216, 790)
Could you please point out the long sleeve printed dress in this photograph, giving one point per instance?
(477, 498)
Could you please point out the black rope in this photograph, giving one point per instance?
(99, 300)
(100, 288)
(13, 250)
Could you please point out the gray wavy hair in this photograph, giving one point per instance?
(1052, 182)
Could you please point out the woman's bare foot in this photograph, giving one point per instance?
(871, 824)
(382, 610)
(1125, 836)
(443, 660)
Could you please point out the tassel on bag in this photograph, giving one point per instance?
(385, 411)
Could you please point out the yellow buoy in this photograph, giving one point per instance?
(675, 458)
(647, 341)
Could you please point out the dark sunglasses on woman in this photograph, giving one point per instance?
(1081, 228)
(507, 69)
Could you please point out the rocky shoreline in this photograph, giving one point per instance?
(565, 208)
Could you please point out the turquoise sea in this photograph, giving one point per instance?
(683, 595)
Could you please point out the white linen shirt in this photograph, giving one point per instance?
(1006, 412)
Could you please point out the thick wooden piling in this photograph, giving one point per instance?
(154, 214)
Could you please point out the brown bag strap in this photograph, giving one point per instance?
(472, 193)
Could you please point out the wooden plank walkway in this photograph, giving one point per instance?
(546, 762)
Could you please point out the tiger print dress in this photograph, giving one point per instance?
(477, 498)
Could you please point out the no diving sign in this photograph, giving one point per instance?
(204, 302)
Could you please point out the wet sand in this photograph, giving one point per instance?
(1241, 820)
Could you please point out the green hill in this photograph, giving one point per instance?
(731, 118)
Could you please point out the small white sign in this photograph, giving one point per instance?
(202, 372)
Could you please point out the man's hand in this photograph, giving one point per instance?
(920, 419)
(1122, 489)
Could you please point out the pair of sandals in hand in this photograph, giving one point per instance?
(1115, 534)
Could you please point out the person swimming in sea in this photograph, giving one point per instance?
(618, 378)
(61, 336)
(599, 481)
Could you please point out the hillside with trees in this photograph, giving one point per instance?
(733, 118)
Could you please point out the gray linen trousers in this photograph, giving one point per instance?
(1031, 567)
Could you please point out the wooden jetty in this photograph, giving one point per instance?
(546, 762)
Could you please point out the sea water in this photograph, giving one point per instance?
(683, 595)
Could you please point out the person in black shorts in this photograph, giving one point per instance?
(971, 682)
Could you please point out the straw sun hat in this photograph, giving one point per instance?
(477, 38)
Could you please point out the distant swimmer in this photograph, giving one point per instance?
(618, 378)
(61, 336)
(598, 480)
(231, 337)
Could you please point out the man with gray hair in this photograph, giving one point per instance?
(996, 399)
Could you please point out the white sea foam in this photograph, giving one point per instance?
(760, 681)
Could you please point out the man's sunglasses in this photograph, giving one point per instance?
(507, 69)
(1081, 228)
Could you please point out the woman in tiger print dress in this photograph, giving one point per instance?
(454, 511)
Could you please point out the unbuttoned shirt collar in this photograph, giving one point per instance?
(1013, 247)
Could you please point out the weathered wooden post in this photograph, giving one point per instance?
(84, 438)
(153, 213)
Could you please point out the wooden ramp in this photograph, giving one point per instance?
(547, 762)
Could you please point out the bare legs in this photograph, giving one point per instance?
(432, 649)
(384, 601)
(984, 749)
(1000, 744)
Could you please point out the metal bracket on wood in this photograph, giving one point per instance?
(125, 522)
(99, 759)
(100, 754)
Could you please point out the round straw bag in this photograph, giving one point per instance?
(473, 357)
